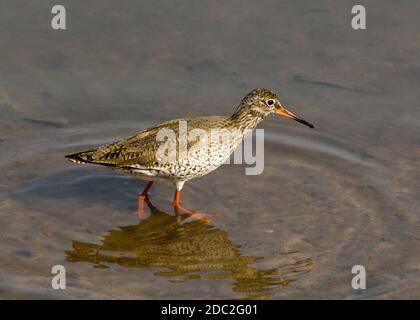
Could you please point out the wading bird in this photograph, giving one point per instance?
(139, 155)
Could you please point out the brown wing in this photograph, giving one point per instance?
(140, 149)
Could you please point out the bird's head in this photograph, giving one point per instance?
(262, 102)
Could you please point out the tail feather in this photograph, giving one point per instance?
(80, 157)
(86, 157)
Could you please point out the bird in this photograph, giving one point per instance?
(182, 149)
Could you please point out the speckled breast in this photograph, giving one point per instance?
(203, 157)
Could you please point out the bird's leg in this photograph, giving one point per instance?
(140, 199)
(179, 185)
(179, 209)
(177, 197)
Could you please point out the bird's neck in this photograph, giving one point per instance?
(245, 119)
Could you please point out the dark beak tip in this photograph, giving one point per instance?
(306, 123)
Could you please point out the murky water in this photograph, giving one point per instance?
(343, 194)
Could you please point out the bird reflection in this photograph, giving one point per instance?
(187, 251)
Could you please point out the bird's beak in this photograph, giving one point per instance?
(286, 113)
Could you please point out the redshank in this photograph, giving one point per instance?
(139, 155)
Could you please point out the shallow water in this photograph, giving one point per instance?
(343, 194)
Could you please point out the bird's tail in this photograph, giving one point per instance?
(81, 157)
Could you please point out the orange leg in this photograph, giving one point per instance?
(178, 208)
(177, 198)
(140, 199)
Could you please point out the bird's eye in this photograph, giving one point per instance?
(270, 102)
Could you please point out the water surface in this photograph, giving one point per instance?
(343, 194)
